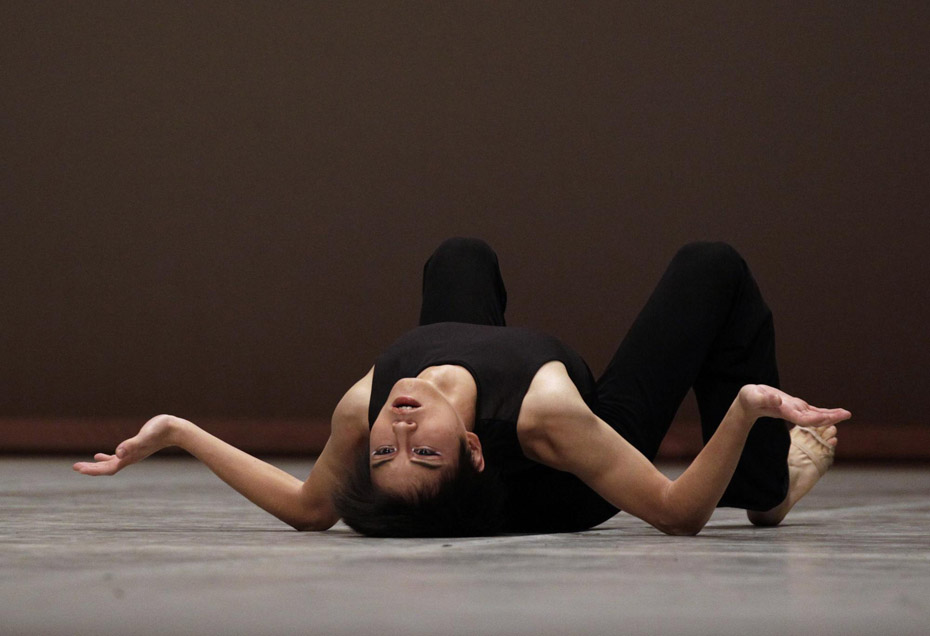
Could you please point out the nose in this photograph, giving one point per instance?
(402, 431)
(404, 426)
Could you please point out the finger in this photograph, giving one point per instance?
(820, 419)
(96, 468)
(826, 419)
(104, 468)
(831, 411)
(102, 457)
(808, 418)
(125, 448)
(85, 468)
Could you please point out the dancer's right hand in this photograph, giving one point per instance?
(156, 434)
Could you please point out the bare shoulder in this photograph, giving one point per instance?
(350, 418)
(552, 394)
(552, 406)
(348, 436)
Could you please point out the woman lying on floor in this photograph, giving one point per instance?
(467, 427)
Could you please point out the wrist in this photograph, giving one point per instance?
(179, 431)
(743, 408)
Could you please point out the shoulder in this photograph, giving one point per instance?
(348, 436)
(350, 418)
(552, 394)
(552, 408)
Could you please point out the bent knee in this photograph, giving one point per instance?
(464, 249)
(709, 252)
(466, 244)
(715, 259)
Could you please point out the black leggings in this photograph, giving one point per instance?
(705, 326)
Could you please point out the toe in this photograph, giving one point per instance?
(827, 433)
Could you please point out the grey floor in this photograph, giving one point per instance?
(166, 548)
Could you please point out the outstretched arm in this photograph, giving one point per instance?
(591, 450)
(694, 495)
(303, 505)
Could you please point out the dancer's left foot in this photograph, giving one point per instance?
(809, 457)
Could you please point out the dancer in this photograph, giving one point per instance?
(466, 426)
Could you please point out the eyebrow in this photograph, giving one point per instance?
(429, 465)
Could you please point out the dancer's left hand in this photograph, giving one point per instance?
(760, 400)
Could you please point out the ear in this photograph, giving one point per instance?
(474, 449)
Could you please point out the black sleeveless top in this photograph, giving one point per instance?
(503, 362)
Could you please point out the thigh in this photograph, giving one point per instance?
(704, 326)
(462, 283)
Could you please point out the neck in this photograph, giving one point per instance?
(458, 386)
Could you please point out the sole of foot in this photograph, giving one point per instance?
(809, 458)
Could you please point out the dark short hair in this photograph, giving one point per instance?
(468, 503)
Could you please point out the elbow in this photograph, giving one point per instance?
(686, 529)
(311, 514)
(679, 520)
(302, 526)
(306, 527)
(313, 523)
(681, 526)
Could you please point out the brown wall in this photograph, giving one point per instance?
(222, 209)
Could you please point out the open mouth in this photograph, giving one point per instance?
(405, 403)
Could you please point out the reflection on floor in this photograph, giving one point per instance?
(165, 547)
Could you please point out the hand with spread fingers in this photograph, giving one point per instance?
(761, 400)
(813, 442)
(154, 435)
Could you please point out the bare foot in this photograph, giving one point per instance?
(809, 458)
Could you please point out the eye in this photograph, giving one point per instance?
(424, 451)
(384, 450)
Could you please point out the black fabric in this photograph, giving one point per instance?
(705, 326)
(462, 283)
(503, 362)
